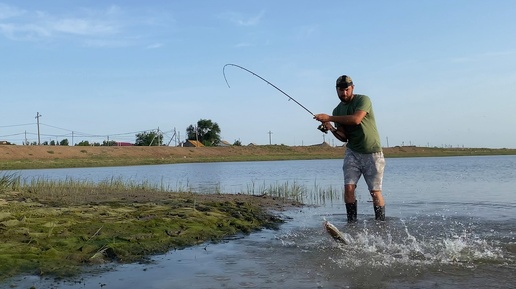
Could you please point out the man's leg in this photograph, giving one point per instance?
(379, 205)
(351, 202)
(375, 164)
(352, 174)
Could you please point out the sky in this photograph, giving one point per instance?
(439, 73)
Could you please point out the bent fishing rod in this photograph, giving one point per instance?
(320, 127)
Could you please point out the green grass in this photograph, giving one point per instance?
(57, 227)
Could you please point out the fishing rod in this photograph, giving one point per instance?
(320, 127)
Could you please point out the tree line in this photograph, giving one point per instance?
(204, 131)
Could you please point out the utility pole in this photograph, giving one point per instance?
(270, 138)
(37, 118)
(172, 138)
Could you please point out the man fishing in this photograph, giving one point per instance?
(355, 124)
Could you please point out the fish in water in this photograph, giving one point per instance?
(335, 233)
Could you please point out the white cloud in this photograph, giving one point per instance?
(37, 25)
(242, 20)
(77, 26)
(107, 27)
(7, 11)
(24, 31)
(243, 44)
(155, 46)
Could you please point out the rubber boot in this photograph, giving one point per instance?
(351, 210)
(379, 213)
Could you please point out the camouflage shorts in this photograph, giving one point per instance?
(369, 165)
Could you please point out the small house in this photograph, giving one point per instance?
(192, 143)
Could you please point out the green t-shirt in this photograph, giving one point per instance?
(362, 138)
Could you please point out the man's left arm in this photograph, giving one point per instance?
(353, 119)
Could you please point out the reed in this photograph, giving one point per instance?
(9, 182)
(70, 191)
(291, 191)
(324, 195)
(315, 195)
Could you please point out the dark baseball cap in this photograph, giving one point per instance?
(344, 81)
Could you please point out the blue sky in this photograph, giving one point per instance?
(439, 73)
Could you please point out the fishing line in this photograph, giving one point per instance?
(321, 127)
(268, 82)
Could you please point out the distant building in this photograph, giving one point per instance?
(223, 143)
(4, 142)
(192, 143)
(123, 144)
(324, 144)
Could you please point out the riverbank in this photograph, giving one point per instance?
(60, 228)
(14, 157)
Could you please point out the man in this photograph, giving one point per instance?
(355, 124)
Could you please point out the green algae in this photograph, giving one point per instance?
(58, 229)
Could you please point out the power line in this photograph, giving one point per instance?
(69, 132)
(14, 125)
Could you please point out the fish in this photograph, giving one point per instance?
(335, 233)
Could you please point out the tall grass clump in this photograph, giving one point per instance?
(291, 191)
(9, 182)
(71, 191)
(322, 196)
(294, 191)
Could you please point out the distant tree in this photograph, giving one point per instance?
(152, 138)
(64, 142)
(206, 131)
(45, 143)
(83, 143)
(237, 143)
(110, 143)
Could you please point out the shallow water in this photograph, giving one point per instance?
(451, 223)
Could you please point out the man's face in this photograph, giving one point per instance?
(345, 94)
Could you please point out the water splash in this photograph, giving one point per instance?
(378, 246)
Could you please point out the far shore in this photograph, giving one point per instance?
(16, 157)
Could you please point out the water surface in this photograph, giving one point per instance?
(451, 223)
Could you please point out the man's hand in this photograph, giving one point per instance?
(327, 125)
(322, 117)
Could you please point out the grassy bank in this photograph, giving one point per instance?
(34, 157)
(57, 227)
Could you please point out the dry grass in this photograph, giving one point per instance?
(24, 157)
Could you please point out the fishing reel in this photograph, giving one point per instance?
(322, 128)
